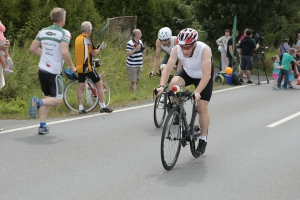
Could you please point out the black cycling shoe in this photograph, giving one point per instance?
(201, 147)
(106, 109)
(82, 111)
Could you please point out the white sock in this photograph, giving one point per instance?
(81, 107)
(202, 138)
(102, 105)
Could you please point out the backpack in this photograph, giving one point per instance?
(235, 80)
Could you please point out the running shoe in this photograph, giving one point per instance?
(44, 130)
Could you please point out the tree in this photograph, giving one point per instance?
(274, 19)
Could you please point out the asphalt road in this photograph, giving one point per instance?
(252, 153)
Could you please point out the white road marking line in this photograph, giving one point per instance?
(89, 116)
(283, 120)
(73, 119)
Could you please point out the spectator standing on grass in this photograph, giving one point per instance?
(247, 46)
(134, 52)
(222, 41)
(84, 53)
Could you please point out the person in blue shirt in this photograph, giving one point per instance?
(287, 69)
(276, 70)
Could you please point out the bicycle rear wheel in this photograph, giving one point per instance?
(106, 89)
(196, 132)
(160, 108)
(171, 140)
(89, 96)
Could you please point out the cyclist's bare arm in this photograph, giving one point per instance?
(157, 56)
(167, 71)
(206, 70)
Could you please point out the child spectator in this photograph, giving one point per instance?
(287, 69)
(276, 70)
(4, 55)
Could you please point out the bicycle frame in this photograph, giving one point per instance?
(92, 88)
(187, 130)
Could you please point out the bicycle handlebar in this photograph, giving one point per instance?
(186, 93)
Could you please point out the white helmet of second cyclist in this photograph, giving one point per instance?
(164, 33)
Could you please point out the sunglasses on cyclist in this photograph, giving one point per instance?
(189, 47)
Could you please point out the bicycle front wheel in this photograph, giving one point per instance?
(89, 96)
(160, 108)
(196, 131)
(106, 89)
(171, 139)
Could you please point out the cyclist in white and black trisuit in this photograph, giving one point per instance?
(196, 59)
(165, 42)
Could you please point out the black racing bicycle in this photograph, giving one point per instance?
(162, 104)
(177, 132)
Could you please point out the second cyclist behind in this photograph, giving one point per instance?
(165, 42)
(196, 59)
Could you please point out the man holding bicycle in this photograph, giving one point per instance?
(196, 59)
(84, 51)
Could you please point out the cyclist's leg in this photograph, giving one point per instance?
(204, 117)
(182, 79)
(202, 104)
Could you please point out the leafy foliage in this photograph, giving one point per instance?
(275, 19)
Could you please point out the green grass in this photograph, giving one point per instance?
(24, 83)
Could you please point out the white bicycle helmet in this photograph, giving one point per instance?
(164, 33)
(187, 36)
